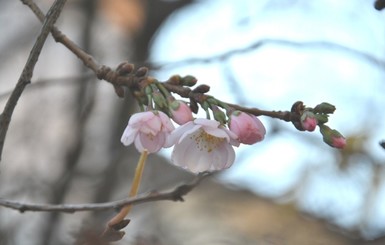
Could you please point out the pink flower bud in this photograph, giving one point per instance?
(338, 142)
(248, 128)
(180, 112)
(308, 121)
(332, 137)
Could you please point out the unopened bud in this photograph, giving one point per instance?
(120, 225)
(332, 137)
(247, 127)
(322, 118)
(125, 68)
(308, 121)
(219, 115)
(324, 108)
(180, 112)
(188, 81)
(175, 80)
(148, 90)
(141, 72)
(379, 4)
(202, 89)
(159, 99)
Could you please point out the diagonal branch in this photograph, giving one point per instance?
(323, 45)
(174, 195)
(87, 59)
(26, 75)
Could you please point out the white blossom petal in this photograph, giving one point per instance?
(198, 151)
(148, 130)
(128, 136)
(138, 118)
(178, 133)
(207, 122)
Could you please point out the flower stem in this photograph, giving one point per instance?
(134, 190)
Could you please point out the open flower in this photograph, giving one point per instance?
(148, 130)
(248, 128)
(202, 145)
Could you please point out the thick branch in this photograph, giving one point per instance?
(174, 195)
(26, 75)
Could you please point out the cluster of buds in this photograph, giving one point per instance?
(309, 118)
(200, 144)
(204, 144)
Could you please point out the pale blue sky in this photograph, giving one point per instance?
(282, 72)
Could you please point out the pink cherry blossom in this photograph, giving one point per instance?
(248, 128)
(148, 130)
(202, 145)
(180, 112)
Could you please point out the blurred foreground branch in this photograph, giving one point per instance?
(26, 75)
(174, 195)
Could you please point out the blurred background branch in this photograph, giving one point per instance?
(63, 143)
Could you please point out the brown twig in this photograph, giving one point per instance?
(127, 78)
(26, 75)
(173, 195)
(87, 59)
(101, 71)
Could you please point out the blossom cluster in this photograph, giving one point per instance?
(205, 144)
(199, 144)
(311, 117)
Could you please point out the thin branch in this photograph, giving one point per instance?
(87, 59)
(38, 84)
(174, 195)
(325, 45)
(26, 75)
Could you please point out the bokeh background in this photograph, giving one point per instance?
(63, 145)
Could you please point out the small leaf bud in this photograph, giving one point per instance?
(203, 88)
(188, 81)
(325, 108)
(141, 72)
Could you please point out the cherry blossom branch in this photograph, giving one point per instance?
(26, 75)
(101, 71)
(176, 194)
(148, 90)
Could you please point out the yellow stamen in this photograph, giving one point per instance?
(207, 142)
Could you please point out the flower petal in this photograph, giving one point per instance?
(152, 143)
(167, 125)
(137, 118)
(217, 132)
(128, 136)
(196, 155)
(178, 133)
(207, 122)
